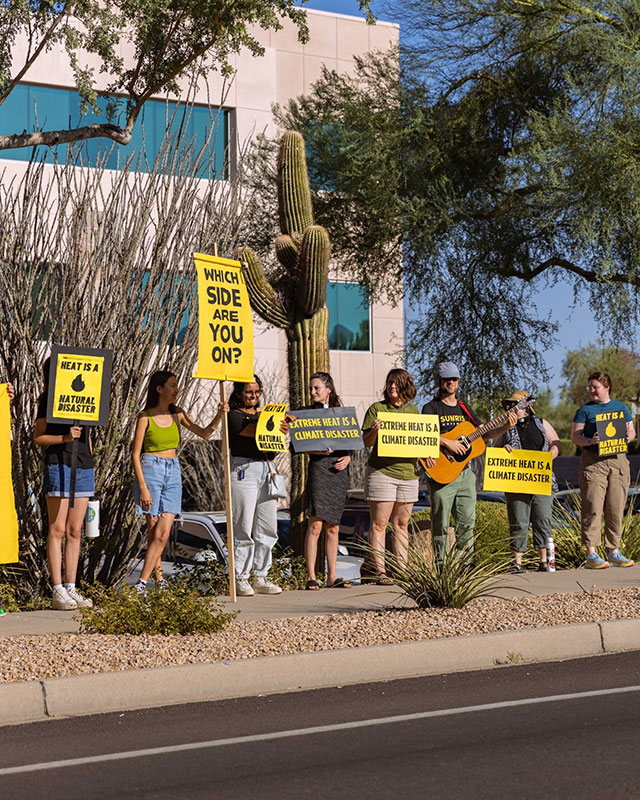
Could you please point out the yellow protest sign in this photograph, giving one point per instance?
(408, 435)
(612, 433)
(520, 471)
(225, 324)
(79, 389)
(8, 516)
(268, 433)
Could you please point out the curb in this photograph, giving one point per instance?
(129, 690)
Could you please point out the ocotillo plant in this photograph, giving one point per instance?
(296, 301)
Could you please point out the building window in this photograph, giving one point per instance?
(34, 108)
(349, 318)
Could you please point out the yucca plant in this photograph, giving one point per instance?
(462, 577)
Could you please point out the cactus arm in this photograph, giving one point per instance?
(294, 193)
(264, 299)
(287, 253)
(314, 270)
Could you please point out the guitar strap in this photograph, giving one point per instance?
(469, 414)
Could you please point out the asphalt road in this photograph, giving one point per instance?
(424, 737)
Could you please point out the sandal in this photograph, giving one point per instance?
(312, 585)
(340, 583)
(382, 579)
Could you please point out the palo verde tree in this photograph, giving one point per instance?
(144, 46)
(295, 299)
(497, 158)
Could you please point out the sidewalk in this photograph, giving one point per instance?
(358, 598)
(132, 689)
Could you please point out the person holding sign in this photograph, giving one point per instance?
(64, 522)
(458, 497)
(255, 522)
(158, 484)
(326, 491)
(604, 477)
(390, 484)
(529, 433)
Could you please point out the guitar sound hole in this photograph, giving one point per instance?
(462, 457)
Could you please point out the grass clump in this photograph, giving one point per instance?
(12, 599)
(462, 577)
(177, 609)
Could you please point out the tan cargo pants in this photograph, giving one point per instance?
(604, 484)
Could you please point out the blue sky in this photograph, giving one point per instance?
(577, 327)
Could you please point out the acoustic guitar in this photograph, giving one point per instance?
(449, 465)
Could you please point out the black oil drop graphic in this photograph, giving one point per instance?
(78, 384)
(270, 424)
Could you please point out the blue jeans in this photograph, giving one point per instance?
(255, 521)
(164, 482)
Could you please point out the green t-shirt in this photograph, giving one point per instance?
(405, 469)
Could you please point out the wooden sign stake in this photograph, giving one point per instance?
(227, 499)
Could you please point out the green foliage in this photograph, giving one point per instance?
(459, 580)
(175, 610)
(208, 577)
(567, 447)
(622, 365)
(16, 595)
(162, 40)
(290, 571)
(499, 159)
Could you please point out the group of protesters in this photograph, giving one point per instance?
(391, 483)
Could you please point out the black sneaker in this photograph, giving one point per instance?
(542, 566)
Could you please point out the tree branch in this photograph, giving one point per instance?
(52, 138)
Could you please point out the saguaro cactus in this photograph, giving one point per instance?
(297, 301)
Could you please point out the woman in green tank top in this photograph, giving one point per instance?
(158, 485)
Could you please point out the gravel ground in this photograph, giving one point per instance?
(24, 658)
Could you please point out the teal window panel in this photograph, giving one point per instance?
(33, 108)
(349, 317)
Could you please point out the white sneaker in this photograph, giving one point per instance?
(244, 588)
(265, 586)
(62, 600)
(81, 602)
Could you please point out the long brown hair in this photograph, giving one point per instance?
(158, 379)
(334, 399)
(406, 387)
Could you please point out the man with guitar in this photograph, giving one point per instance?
(452, 485)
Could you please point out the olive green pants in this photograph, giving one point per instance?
(457, 499)
(604, 483)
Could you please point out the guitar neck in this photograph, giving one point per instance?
(488, 426)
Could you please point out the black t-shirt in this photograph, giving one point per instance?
(531, 437)
(450, 416)
(245, 446)
(61, 453)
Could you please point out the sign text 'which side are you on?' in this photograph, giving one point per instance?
(225, 331)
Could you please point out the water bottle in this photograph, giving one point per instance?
(92, 523)
(551, 555)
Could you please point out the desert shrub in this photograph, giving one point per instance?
(290, 571)
(19, 598)
(174, 610)
(461, 578)
(208, 577)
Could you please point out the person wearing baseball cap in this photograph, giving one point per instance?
(457, 498)
(529, 510)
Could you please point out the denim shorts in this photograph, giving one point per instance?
(164, 481)
(57, 479)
